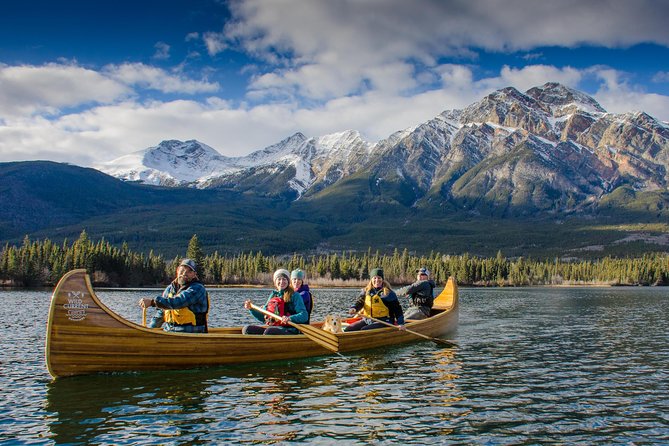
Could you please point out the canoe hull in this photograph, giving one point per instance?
(84, 336)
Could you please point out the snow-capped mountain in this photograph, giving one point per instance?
(170, 163)
(551, 148)
(191, 163)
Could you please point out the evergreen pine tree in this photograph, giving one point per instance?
(194, 252)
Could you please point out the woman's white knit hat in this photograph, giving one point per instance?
(281, 272)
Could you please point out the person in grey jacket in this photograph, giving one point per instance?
(421, 295)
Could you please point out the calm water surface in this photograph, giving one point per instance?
(533, 366)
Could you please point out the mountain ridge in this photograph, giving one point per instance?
(575, 153)
(547, 172)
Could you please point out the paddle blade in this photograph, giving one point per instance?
(444, 342)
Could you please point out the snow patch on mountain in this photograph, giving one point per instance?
(303, 177)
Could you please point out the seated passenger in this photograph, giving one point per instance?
(421, 295)
(297, 279)
(377, 300)
(284, 302)
(184, 304)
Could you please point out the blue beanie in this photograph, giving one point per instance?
(297, 274)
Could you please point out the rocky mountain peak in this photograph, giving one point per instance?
(340, 140)
(497, 105)
(551, 149)
(562, 100)
(512, 109)
(276, 151)
(176, 153)
(170, 163)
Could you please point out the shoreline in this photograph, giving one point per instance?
(351, 286)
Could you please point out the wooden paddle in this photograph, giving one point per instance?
(415, 333)
(144, 317)
(321, 337)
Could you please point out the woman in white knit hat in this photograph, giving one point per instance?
(284, 301)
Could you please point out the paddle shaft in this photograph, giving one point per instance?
(144, 317)
(274, 316)
(415, 333)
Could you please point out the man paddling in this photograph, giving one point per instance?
(184, 304)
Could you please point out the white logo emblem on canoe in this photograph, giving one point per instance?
(75, 306)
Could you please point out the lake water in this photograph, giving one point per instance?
(533, 366)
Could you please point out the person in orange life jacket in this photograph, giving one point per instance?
(421, 295)
(379, 301)
(184, 304)
(285, 302)
(297, 279)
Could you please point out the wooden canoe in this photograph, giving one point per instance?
(84, 336)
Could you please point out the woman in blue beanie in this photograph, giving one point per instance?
(298, 281)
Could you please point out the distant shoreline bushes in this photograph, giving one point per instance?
(43, 263)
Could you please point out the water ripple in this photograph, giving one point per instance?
(534, 366)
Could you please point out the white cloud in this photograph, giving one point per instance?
(347, 43)
(51, 88)
(533, 75)
(146, 76)
(661, 77)
(215, 43)
(616, 95)
(162, 51)
(26, 89)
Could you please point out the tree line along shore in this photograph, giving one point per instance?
(43, 263)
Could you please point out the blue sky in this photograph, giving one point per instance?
(88, 81)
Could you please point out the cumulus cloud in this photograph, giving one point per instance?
(26, 89)
(215, 43)
(617, 95)
(51, 88)
(533, 75)
(355, 42)
(104, 132)
(147, 76)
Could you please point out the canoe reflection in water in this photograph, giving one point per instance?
(100, 408)
(361, 397)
